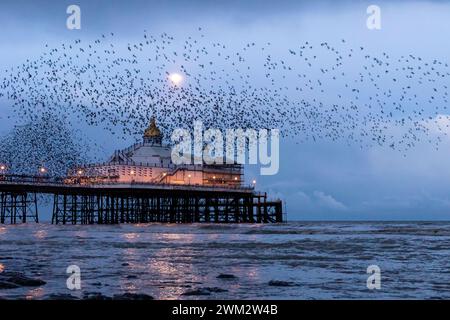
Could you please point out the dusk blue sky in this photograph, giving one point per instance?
(320, 180)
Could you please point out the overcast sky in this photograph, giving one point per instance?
(320, 180)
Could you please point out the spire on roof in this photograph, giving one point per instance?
(152, 134)
(152, 130)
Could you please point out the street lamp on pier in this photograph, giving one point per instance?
(3, 169)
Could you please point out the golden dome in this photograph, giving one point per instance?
(152, 130)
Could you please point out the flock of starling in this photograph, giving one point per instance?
(44, 146)
(310, 91)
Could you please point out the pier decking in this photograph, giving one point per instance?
(111, 203)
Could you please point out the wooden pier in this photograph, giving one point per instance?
(134, 203)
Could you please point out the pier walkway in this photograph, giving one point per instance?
(111, 203)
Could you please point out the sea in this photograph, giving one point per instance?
(295, 260)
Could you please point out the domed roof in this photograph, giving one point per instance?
(152, 130)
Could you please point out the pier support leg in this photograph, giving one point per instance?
(18, 207)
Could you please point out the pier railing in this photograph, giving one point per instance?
(72, 182)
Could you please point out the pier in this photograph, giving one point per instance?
(113, 203)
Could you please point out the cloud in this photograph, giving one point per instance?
(438, 125)
(303, 197)
(328, 201)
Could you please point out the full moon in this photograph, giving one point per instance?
(176, 78)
